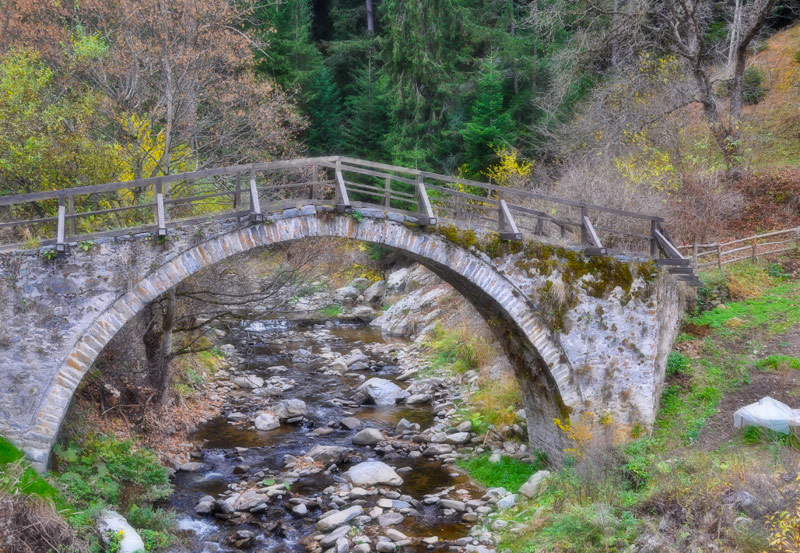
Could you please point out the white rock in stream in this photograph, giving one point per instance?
(111, 522)
(381, 392)
(249, 382)
(289, 408)
(372, 473)
(266, 421)
(368, 436)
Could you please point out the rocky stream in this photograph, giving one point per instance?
(329, 441)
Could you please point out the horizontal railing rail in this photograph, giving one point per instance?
(58, 217)
(719, 254)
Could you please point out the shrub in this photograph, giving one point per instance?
(676, 364)
(111, 471)
(778, 363)
(752, 89)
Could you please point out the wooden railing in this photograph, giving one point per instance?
(718, 254)
(154, 205)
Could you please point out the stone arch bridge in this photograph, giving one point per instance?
(586, 327)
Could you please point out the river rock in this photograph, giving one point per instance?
(338, 518)
(507, 502)
(453, 504)
(328, 454)
(300, 510)
(368, 436)
(247, 500)
(457, 438)
(535, 484)
(371, 473)
(386, 547)
(249, 382)
(437, 449)
(380, 391)
(395, 535)
(111, 522)
(331, 538)
(346, 294)
(416, 399)
(339, 365)
(374, 294)
(290, 408)
(266, 421)
(405, 425)
(390, 519)
(243, 539)
(351, 423)
(397, 280)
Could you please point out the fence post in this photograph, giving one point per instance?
(255, 203)
(61, 244)
(426, 216)
(694, 254)
(71, 212)
(161, 218)
(342, 198)
(237, 197)
(755, 245)
(507, 227)
(653, 242)
(387, 193)
(719, 256)
(584, 230)
(314, 185)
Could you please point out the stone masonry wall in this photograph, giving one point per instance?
(58, 315)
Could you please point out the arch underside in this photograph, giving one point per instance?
(538, 360)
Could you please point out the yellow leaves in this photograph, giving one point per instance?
(509, 170)
(579, 432)
(145, 155)
(784, 529)
(646, 165)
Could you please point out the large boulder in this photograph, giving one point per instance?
(380, 391)
(535, 484)
(290, 408)
(328, 454)
(397, 280)
(111, 522)
(266, 421)
(372, 473)
(374, 294)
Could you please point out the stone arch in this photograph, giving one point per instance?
(541, 367)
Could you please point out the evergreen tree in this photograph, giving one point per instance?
(323, 105)
(367, 114)
(490, 126)
(290, 56)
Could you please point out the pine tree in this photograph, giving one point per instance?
(290, 56)
(323, 104)
(491, 126)
(367, 114)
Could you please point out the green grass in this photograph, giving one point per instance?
(331, 311)
(507, 473)
(449, 350)
(775, 363)
(29, 483)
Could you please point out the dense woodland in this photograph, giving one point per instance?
(643, 104)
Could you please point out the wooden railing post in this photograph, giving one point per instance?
(61, 243)
(426, 216)
(255, 204)
(694, 254)
(71, 213)
(315, 181)
(387, 193)
(237, 197)
(342, 198)
(161, 217)
(584, 232)
(755, 246)
(719, 256)
(507, 227)
(653, 241)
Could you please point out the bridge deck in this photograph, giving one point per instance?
(59, 218)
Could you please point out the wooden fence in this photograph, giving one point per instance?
(753, 247)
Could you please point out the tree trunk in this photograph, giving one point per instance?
(157, 341)
(370, 18)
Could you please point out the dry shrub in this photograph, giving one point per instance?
(29, 524)
(497, 400)
(701, 209)
(597, 181)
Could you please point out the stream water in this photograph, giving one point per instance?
(236, 454)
